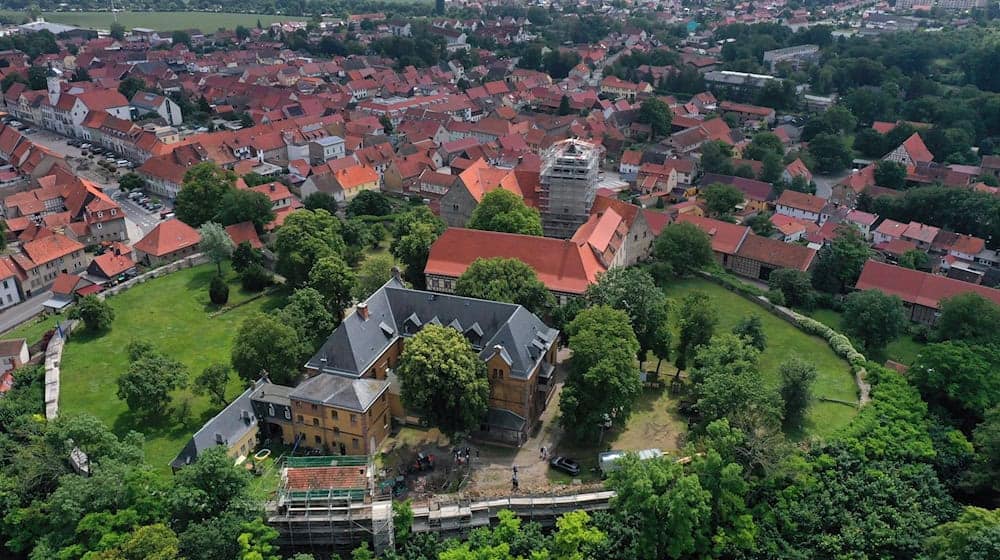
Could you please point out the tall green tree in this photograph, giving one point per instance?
(682, 249)
(96, 314)
(335, 281)
(890, 174)
(506, 280)
(201, 194)
(874, 318)
(413, 250)
(306, 312)
(633, 291)
(305, 238)
(369, 203)
(657, 115)
(717, 157)
(244, 205)
(830, 153)
(603, 381)
(373, 273)
(503, 211)
(265, 345)
(795, 286)
(696, 323)
(443, 379)
(797, 378)
(961, 378)
(212, 383)
(721, 199)
(151, 377)
(130, 86)
(974, 535)
(215, 243)
(969, 317)
(839, 264)
(751, 330)
(762, 144)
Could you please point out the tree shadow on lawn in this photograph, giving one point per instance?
(163, 424)
(83, 335)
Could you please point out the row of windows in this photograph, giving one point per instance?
(355, 444)
(333, 414)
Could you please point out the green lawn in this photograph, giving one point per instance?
(160, 21)
(903, 350)
(33, 330)
(784, 341)
(172, 312)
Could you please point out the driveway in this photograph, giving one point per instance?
(825, 183)
(23, 311)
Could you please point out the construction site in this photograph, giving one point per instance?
(334, 503)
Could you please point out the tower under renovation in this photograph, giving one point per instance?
(569, 184)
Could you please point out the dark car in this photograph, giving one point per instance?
(566, 465)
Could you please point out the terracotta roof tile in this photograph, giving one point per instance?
(777, 253)
(915, 287)
(168, 237)
(562, 265)
(726, 237)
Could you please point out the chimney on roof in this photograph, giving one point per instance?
(396, 274)
(273, 188)
(363, 311)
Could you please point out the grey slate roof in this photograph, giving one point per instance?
(394, 311)
(228, 426)
(341, 392)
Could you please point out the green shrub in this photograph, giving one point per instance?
(255, 278)
(218, 291)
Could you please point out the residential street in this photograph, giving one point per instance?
(139, 221)
(9, 318)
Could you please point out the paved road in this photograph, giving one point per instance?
(23, 311)
(825, 183)
(139, 221)
(142, 220)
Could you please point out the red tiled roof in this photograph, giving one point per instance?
(326, 478)
(726, 237)
(801, 201)
(777, 253)
(65, 284)
(561, 264)
(244, 231)
(915, 287)
(111, 264)
(896, 247)
(918, 151)
(168, 237)
(50, 247)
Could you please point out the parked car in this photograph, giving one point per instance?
(86, 146)
(122, 163)
(566, 465)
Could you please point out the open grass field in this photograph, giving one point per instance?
(160, 21)
(173, 313)
(784, 341)
(33, 330)
(903, 350)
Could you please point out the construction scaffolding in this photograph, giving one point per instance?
(329, 502)
(332, 504)
(569, 177)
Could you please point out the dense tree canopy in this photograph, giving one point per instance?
(507, 280)
(874, 318)
(504, 211)
(682, 249)
(633, 291)
(443, 379)
(604, 378)
(305, 238)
